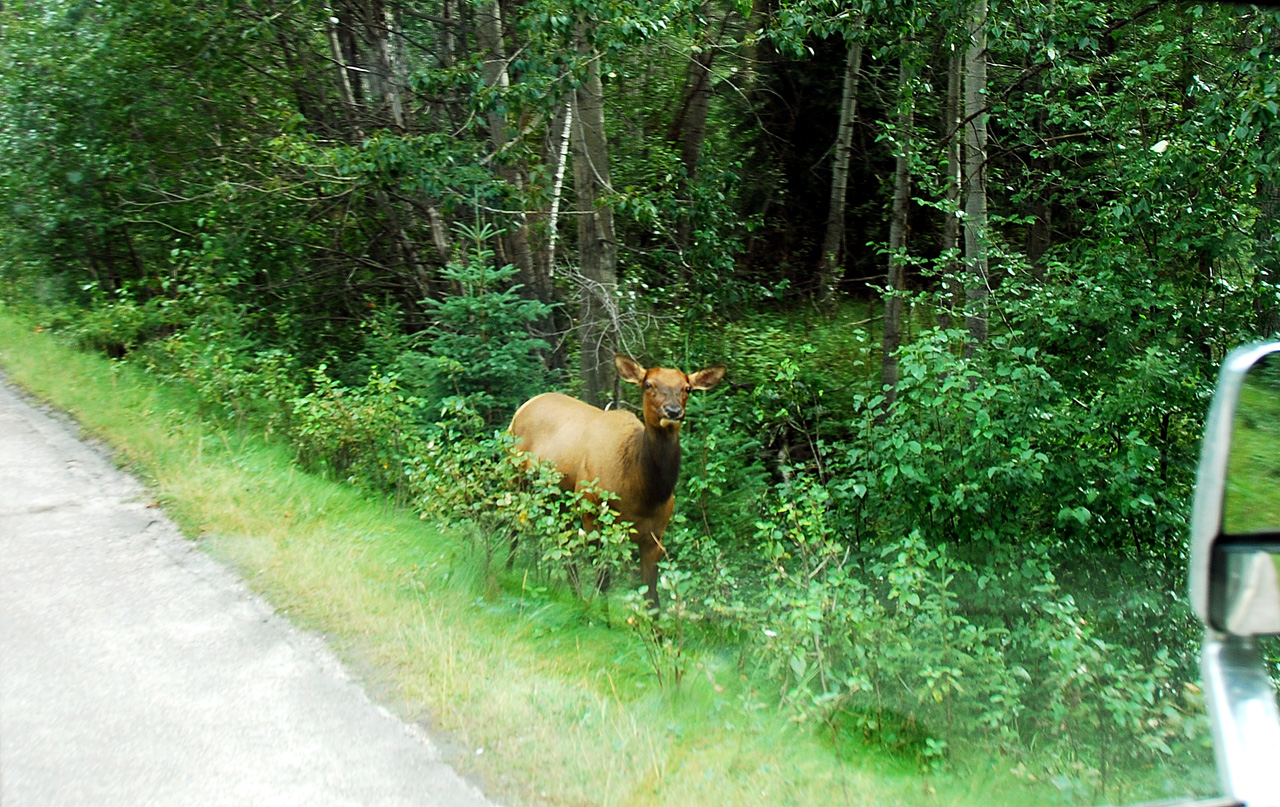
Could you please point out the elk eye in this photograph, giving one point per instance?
(687, 390)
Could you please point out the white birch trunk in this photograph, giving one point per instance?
(562, 159)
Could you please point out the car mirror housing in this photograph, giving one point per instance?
(1235, 516)
(1234, 574)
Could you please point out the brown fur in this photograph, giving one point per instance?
(639, 460)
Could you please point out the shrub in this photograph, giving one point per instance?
(466, 474)
(365, 435)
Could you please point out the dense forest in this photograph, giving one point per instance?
(971, 265)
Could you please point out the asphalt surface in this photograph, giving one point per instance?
(136, 670)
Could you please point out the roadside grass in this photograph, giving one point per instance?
(542, 703)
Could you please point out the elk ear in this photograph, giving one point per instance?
(707, 378)
(628, 369)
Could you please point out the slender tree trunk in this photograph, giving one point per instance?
(381, 26)
(558, 323)
(688, 130)
(833, 239)
(439, 234)
(893, 306)
(448, 43)
(560, 154)
(1040, 232)
(696, 111)
(951, 224)
(597, 245)
(494, 68)
(689, 127)
(975, 220)
(344, 75)
(489, 35)
(349, 45)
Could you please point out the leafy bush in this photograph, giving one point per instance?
(464, 473)
(118, 325)
(232, 374)
(365, 435)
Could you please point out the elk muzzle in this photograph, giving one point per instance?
(672, 415)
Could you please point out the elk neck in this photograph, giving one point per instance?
(656, 452)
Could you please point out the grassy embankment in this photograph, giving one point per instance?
(541, 705)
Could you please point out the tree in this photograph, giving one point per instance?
(975, 208)
(489, 35)
(893, 305)
(953, 134)
(833, 238)
(597, 243)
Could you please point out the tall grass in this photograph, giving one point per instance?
(537, 699)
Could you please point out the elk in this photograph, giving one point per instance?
(636, 459)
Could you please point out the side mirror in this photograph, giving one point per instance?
(1235, 569)
(1235, 520)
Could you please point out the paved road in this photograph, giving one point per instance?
(135, 670)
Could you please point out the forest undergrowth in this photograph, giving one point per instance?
(973, 576)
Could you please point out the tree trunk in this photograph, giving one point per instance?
(558, 323)
(833, 240)
(489, 33)
(448, 45)
(597, 245)
(1040, 232)
(975, 208)
(893, 305)
(344, 76)
(559, 150)
(381, 26)
(951, 224)
(689, 128)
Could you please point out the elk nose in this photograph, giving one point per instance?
(673, 412)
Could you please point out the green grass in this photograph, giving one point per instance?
(540, 702)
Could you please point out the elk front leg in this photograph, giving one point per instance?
(651, 551)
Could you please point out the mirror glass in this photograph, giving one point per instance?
(1248, 598)
(1252, 499)
(1251, 598)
